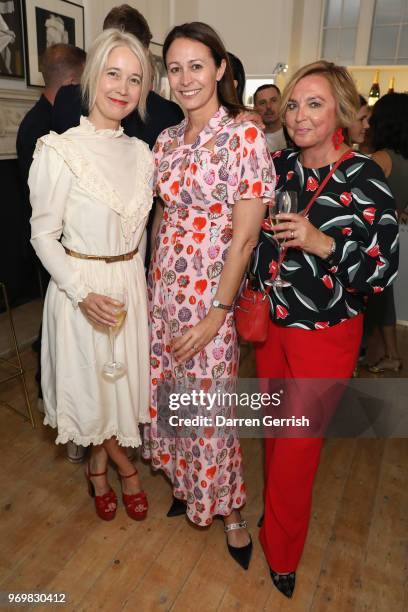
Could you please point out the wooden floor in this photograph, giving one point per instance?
(356, 554)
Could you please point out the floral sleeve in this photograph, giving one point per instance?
(366, 233)
(251, 171)
(158, 155)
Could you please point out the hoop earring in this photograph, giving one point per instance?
(338, 138)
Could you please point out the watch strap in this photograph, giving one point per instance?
(217, 304)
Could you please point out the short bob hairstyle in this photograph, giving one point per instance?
(342, 86)
(205, 34)
(97, 60)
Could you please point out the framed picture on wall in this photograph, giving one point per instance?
(160, 80)
(11, 40)
(46, 23)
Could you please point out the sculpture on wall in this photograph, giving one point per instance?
(13, 106)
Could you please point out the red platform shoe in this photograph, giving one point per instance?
(136, 504)
(102, 502)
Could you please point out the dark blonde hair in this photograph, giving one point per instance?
(342, 86)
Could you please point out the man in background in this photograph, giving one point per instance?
(161, 113)
(267, 102)
(60, 65)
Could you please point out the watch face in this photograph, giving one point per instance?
(216, 303)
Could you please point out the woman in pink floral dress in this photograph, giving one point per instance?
(213, 177)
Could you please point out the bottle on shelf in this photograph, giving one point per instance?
(375, 90)
(391, 85)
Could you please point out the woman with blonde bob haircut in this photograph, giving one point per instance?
(91, 196)
(97, 58)
(342, 86)
(341, 245)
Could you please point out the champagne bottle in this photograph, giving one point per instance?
(391, 85)
(375, 90)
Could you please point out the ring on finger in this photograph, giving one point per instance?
(292, 235)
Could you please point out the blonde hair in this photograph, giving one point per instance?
(97, 59)
(342, 86)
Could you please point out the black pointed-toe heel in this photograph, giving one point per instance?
(261, 520)
(177, 508)
(240, 554)
(285, 583)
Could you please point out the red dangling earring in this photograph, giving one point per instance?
(338, 138)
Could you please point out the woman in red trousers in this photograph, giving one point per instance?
(344, 249)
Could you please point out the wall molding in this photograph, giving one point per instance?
(14, 104)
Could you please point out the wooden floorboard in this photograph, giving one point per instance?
(355, 558)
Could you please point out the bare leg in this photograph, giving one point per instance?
(117, 453)
(98, 463)
(375, 346)
(238, 537)
(390, 339)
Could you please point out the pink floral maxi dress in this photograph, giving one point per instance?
(198, 185)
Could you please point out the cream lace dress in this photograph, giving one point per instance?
(92, 189)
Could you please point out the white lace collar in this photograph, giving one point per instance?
(88, 127)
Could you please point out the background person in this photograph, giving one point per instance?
(90, 187)
(267, 102)
(356, 133)
(389, 126)
(238, 73)
(212, 199)
(340, 253)
(60, 65)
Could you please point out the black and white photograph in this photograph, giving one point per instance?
(46, 23)
(11, 40)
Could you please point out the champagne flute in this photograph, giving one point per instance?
(285, 202)
(114, 369)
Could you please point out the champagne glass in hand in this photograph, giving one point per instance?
(285, 202)
(114, 369)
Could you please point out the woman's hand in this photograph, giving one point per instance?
(192, 342)
(299, 233)
(250, 116)
(99, 309)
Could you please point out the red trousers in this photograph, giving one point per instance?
(291, 463)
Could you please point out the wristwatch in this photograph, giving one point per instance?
(217, 304)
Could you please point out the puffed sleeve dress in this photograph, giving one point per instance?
(90, 192)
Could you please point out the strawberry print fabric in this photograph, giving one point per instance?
(198, 185)
(357, 209)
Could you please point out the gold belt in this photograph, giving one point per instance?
(107, 259)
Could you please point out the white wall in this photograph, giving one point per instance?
(258, 32)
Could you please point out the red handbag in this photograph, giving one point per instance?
(252, 307)
(252, 314)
